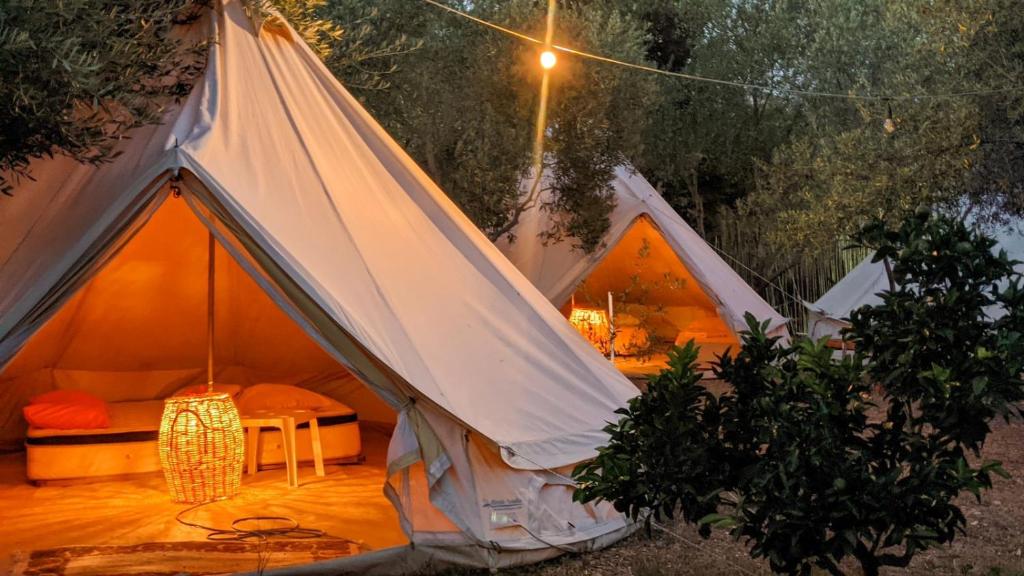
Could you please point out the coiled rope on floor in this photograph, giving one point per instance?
(288, 528)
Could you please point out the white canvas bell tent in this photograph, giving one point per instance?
(647, 242)
(494, 395)
(862, 286)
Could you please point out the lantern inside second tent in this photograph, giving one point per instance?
(593, 324)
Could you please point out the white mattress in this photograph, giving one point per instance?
(129, 445)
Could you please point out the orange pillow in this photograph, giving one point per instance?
(66, 397)
(229, 389)
(68, 416)
(280, 397)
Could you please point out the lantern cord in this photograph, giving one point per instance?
(211, 300)
(288, 528)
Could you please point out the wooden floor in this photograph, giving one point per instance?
(347, 503)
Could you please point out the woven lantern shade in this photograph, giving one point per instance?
(202, 447)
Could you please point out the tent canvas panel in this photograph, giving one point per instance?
(641, 261)
(860, 287)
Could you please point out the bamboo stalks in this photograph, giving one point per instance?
(785, 284)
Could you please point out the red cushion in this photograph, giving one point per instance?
(66, 397)
(89, 415)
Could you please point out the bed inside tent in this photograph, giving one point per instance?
(656, 303)
(133, 335)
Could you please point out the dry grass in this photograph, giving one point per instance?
(992, 547)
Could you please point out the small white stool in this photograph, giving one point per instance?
(285, 421)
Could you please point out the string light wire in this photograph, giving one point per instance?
(719, 81)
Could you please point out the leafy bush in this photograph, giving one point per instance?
(799, 459)
(664, 455)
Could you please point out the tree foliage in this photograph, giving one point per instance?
(800, 458)
(799, 171)
(843, 168)
(704, 141)
(77, 76)
(80, 74)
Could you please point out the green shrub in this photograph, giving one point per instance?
(664, 455)
(798, 459)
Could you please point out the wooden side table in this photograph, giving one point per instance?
(285, 421)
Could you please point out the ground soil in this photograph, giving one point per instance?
(992, 546)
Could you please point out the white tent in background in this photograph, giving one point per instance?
(707, 300)
(860, 287)
(495, 396)
(863, 286)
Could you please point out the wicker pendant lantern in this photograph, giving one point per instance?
(201, 439)
(201, 447)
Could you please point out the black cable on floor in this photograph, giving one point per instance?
(239, 533)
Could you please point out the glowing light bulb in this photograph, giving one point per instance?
(890, 124)
(548, 59)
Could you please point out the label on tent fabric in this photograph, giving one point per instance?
(504, 513)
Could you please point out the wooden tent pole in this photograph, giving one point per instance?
(611, 328)
(210, 298)
(888, 274)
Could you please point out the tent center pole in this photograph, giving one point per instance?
(210, 298)
(611, 328)
(888, 275)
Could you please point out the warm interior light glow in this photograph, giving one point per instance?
(593, 324)
(548, 59)
(201, 447)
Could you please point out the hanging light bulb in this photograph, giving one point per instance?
(548, 59)
(889, 125)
